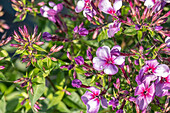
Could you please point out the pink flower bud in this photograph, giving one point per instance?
(58, 48)
(53, 59)
(39, 43)
(79, 60)
(76, 83)
(15, 45)
(41, 98)
(22, 103)
(41, 4)
(2, 67)
(69, 56)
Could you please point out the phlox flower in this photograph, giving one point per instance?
(113, 28)
(114, 102)
(151, 70)
(162, 86)
(167, 41)
(106, 59)
(50, 13)
(85, 6)
(81, 30)
(155, 4)
(145, 95)
(106, 7)
(92, 100)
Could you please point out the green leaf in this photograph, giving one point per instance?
(18, 52)
(56, 99)
(38, 91)
(141, 62)
(102, 35)
(38, 48)
(139, 35)
(2, 105)
(130, 31)
(136, 57)
(17, 19)
(63, 108)
(75, 98)
(2, 77)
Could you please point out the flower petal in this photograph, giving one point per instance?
(52, 4)
(111, 69)
(159, 91)
(117, 5)
(94, 90)
(103, 52)
(105, 5)
(116, 47)
(93, 105)
(139, 89)
(119, 60)
(112, 31)
(149, 3)
(167, 41)
(103, 102)
(98, 63)
(80, 6)
(152, 63)
(58, 7)
(150, 94)
(142, 103)
(162, 70)
(86, 97)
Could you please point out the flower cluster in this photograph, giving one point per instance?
(152, 71)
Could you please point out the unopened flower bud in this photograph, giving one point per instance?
(15, 45)
(53, 59)
(141, 49)
(89, 54)
(70, 67)
(76, 83)
(162, 45)
(58, 48)
(98, 84)
(22, 103)
(133, 51)
(23, 84)
(136, 62)
(79, 60)
(88, 74)
(2, 67)
(41, 4)
(158, 28)
(37, 106)
(69, 56)
(39, 43)
(74, 74)
(31, 90)
(64, 66)
(41, 98)
(52, 48)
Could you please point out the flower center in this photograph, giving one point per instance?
(163, 80)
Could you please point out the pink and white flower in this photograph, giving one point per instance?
(106, 7)
(92, 100)
(151, 70)
(113, 28)
(85, 6)
(145, 95)
(106, 59)
(51, 12)
(162, 86)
